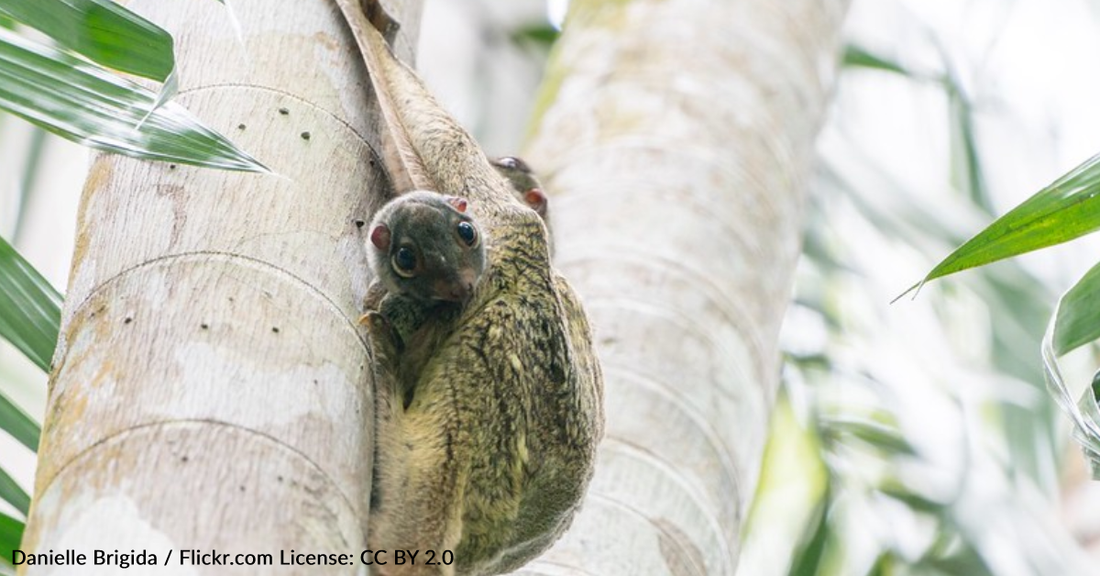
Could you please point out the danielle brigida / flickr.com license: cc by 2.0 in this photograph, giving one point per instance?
(192, 557)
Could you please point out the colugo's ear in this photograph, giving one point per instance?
(536, 199)
(512, 163)
(380, 237)
(458, 203)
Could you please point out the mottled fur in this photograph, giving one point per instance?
(489, 453)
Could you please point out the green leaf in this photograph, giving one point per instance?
(1068, 208)
(859, 57)
(965, 159)
(89, 105)
(884, 565)
(102, 31)
(965, 562)
(876, 434)
(30, 309)
(31, 170)
(13, 494)
(540, 34)
(809, 557)
(16, 422)
(1068, 329)
(11, 533)
(1078, 318)
(893, 488)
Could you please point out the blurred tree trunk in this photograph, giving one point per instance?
(677, 136)
(210, 387)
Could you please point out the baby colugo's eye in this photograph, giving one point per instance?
(468, 233)
(404, 262)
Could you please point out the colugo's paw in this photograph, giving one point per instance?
(375, 293)
(382, 333)
(376, 323)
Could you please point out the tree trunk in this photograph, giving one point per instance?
(211, 387)
(677, 136)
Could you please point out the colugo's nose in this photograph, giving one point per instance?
(454, 291)
(457, 288)
(461, 292)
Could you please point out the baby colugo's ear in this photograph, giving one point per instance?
(536, 199)
(380, 237)
(512, 163)
(458, 203)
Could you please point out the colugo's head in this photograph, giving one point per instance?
(426, 246)
(523, 181)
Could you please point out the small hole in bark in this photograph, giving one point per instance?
(184, 458)
(360, 223)
(284, 111)
(204, 326)
(305, 135)
(275, 329)
(127, 320)
(171, 166)
(241, 126)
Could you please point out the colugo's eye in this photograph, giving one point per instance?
(404, 262)
(468, 233)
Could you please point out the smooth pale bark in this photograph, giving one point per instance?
(211, 387)
(677, 136)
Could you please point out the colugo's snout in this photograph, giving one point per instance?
(458, 287)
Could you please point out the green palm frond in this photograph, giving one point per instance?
(30, 313)
(11, 533)
(1076, 321)
(13, 494)
(1066, 209)
(101, 31)
(58, 89)
(30, 309)
(18, 424)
